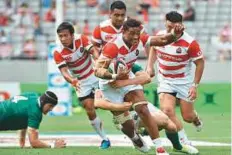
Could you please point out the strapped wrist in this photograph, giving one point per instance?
(114, 76)
(195, 85)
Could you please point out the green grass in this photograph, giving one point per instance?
(96, 151)
(216, 126)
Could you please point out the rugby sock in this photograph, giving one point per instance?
(97, 125)
(173, 137)
(182, 136)
(136, 137)
(157, 142)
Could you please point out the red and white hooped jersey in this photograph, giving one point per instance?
(105, 32)
(117, 48)
(175, 60)
(77, 59)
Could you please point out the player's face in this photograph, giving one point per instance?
(117, 17)
(66, 38)
(170, 25)
(132, 35)
(47, 107)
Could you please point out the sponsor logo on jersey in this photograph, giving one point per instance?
(68, 58)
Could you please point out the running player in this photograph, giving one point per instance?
(176, 81)
(25, 112)
(127, 46)
(73, 58)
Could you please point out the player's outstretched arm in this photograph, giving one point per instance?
(22, 137)
(151, 61)
(165, 39)
(140, 78)
(106, 105)
(36, 143)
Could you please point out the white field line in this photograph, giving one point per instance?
(11, 140)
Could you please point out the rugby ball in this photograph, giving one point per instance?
(117, 65)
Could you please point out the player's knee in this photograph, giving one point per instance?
(142, 110)
(171, 127)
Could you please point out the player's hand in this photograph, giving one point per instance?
(60, 143)
(123, 74)
(22, 142)
(98, 94)
(192, 93)
(76, 84)
(178, 28)
(125, 106)
(150, 71)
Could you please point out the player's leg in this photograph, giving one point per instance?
(88, 104)
(187, 106)
(127, 127)
(189, 114)
(167, 97)
(140, 105)
(86, 97)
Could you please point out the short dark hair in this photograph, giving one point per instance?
(131, 23)
(117, 5)
(65, 26)
(174, 17)
(48, 97)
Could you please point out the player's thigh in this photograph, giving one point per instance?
(167, 103)
(135, 96)
(88, 102)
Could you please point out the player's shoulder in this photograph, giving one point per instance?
(187, 37)
(105, 23)
(58, 48)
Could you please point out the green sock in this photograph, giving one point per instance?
(173, 137)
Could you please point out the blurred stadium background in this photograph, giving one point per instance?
(27, 28)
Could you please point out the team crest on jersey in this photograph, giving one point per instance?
(82, 49)
(137, 52)
(109, 37)
(178, 50)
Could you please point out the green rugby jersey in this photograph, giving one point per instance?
(20, 112)
(136, 68)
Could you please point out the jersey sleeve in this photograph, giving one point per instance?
(96, 36)
(34, 117)
(145, 38)
(86, 43)
(194, 51)
(110, 50)
(58, 59)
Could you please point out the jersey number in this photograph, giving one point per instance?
(18, 98)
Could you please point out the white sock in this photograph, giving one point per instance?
(97, 125)
(157, 142)
(136, 137)
(182, 136)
